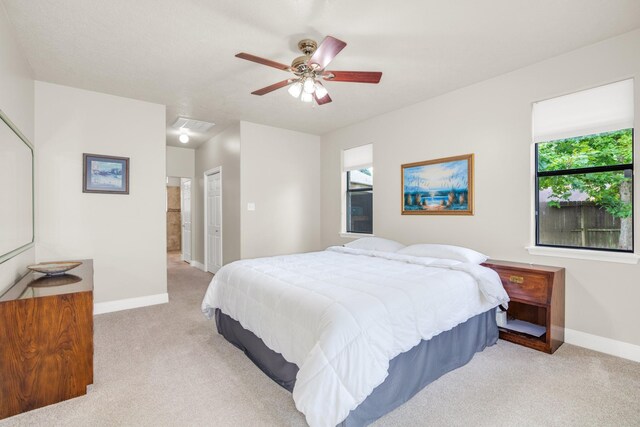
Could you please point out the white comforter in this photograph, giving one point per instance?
(342, 314)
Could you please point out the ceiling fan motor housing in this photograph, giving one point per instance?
(307, 46)
(299, 65)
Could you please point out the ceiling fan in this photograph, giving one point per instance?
(309, 69)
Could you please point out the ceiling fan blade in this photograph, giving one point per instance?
(324, 100)
(352, 76)
(273, 87)
(325, 53)
(263, 61)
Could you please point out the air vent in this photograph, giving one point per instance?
(197, 126)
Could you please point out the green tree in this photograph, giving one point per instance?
(608, 190)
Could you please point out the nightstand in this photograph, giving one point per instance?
(537, 297)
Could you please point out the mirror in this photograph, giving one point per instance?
(16, 197)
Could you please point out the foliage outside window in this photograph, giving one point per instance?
(359, 201)
(585, 192)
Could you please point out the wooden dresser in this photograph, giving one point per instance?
(46, 340)
(537, 297)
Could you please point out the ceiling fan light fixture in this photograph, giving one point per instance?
(321, 91)
(306, 97)
(309, 85)
(295, 89)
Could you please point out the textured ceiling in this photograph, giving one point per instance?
(181, 53)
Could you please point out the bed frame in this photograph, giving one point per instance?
(409, 372)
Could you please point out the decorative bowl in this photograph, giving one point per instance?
(54, 268)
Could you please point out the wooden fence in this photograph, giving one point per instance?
(581, 224)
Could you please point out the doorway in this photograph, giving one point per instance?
(185, 203)
(179, 202)
(213, 220)
(174, 214)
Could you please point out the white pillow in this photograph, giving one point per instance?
(375, 244)
(444, 251)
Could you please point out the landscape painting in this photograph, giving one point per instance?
(105, 174)
(438, 187)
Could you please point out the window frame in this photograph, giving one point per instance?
(345, 199)
(579, 171)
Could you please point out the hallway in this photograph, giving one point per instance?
(181, 274)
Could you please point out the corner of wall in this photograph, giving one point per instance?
(222, 150)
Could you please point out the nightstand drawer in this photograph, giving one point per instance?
(527, 286)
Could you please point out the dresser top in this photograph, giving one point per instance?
(37, 285)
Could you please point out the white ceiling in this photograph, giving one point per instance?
(181, 53)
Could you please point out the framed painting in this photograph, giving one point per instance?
(105, 174)
(438, 187)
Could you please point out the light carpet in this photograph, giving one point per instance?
(166, 366)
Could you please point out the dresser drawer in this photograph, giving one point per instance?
(526, 286)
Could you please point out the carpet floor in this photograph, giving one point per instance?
(166, 366)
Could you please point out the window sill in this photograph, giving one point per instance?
(619, 257)
(355, 235)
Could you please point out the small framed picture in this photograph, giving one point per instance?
(105, 174)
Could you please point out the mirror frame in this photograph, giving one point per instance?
(7, 256)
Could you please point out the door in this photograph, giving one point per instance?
(214, 222)
(186, 219)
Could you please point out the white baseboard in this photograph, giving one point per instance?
(198, 265)
(128, 303)
(603, 345)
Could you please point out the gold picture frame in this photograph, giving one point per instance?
(438, 187)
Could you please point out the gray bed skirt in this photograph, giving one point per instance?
(409, 372)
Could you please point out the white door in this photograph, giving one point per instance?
(185, 193)
(214, 222)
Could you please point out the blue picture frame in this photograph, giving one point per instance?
(105, 174)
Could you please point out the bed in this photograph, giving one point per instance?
(354, 333)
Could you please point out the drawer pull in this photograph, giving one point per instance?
(516, 279)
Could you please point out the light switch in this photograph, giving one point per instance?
(251, 206)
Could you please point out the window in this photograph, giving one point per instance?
(584, 169)
(358, 190)
(360, 201)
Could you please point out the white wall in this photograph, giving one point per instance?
(280, 172)
(223, 150)
(173, 181)
(493, 120)
(124, 234)
(181, 162)
(16, 100)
